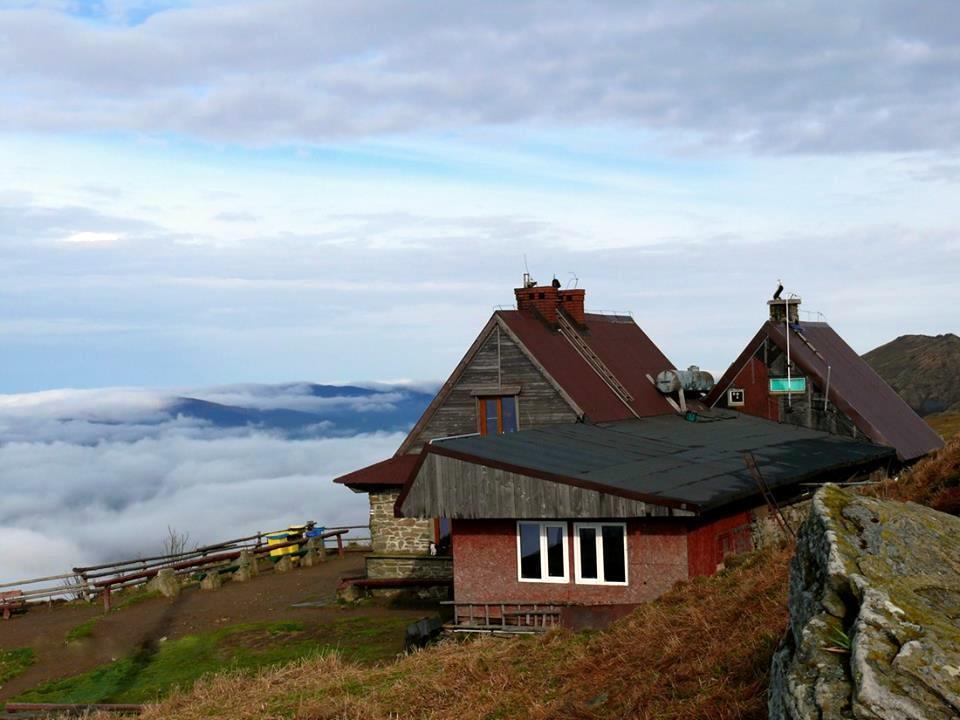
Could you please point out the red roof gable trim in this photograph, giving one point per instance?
(726, 380)
(875, 408)
(446, 388)
(393, 472)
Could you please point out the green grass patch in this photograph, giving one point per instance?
(15, 661)
(129, 598)
(81, 631)
(152, 672)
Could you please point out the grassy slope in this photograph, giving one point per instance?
(947, 424)
(14, 661)
(702, 651)
(924, 369)
(934, 481)
(178, 664)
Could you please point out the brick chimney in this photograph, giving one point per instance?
(546, 300)
(572, 303)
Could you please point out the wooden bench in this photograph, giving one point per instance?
(12, 601)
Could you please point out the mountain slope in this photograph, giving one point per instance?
(923, 369)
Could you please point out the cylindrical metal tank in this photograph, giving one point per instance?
(693, 379)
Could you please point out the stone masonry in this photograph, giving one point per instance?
(406, 566)
(390, 534)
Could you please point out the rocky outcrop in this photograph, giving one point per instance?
(874, 614)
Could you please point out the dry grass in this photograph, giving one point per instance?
(701, 651)
(934, 481)
(947, 424)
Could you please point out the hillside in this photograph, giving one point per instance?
(924, 369)
(148, 644)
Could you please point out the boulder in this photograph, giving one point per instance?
(314, 553)
(165, 582)
(211, 581)
(874, 614)
(247, 567)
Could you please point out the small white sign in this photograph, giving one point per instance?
(735, 397)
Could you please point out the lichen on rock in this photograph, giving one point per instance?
(874, 608)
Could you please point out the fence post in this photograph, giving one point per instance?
(106, 598)
(340, 545)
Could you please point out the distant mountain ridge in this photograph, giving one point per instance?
(923, 369)
(341, 410)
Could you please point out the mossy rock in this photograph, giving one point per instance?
(874, 608)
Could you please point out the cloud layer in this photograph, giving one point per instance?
(90, 476)
(774, 77)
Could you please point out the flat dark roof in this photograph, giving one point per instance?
(700, 463)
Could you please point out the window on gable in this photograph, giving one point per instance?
(542, 552)
(600, 553)
(497, 414)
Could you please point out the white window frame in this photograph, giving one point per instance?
(598, 539)
(544, 577)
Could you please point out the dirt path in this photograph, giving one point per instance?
(267, 598)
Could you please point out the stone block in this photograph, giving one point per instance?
(249, 562)
(211, 581)
(349, 593)
(165, 582)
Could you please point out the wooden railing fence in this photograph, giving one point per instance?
(88, 583)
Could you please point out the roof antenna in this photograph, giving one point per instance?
(528, 282)
(575, 279)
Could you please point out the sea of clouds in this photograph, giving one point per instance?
(94, 475)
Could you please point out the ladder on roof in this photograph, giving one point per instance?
(593, 360)
(751, 462)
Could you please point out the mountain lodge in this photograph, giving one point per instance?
(566, 469)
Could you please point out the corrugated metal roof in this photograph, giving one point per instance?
(622, 346)
(696, 463)
(876, 408)
(392, 472)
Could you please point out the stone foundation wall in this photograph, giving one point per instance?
(426, 567)
(766, 531)
(391, 534)
(410, 566)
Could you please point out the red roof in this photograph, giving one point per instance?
(874, 407)
(388, 473)
(622, 346)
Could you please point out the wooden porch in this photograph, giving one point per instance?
(503, 618)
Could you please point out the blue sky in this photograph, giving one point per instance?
(218, 192)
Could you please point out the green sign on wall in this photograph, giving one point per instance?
(791, 385)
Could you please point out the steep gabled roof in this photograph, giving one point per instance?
(616, 339)
(622, 346)
(861, 394)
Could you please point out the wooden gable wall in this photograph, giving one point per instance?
(499, 362)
